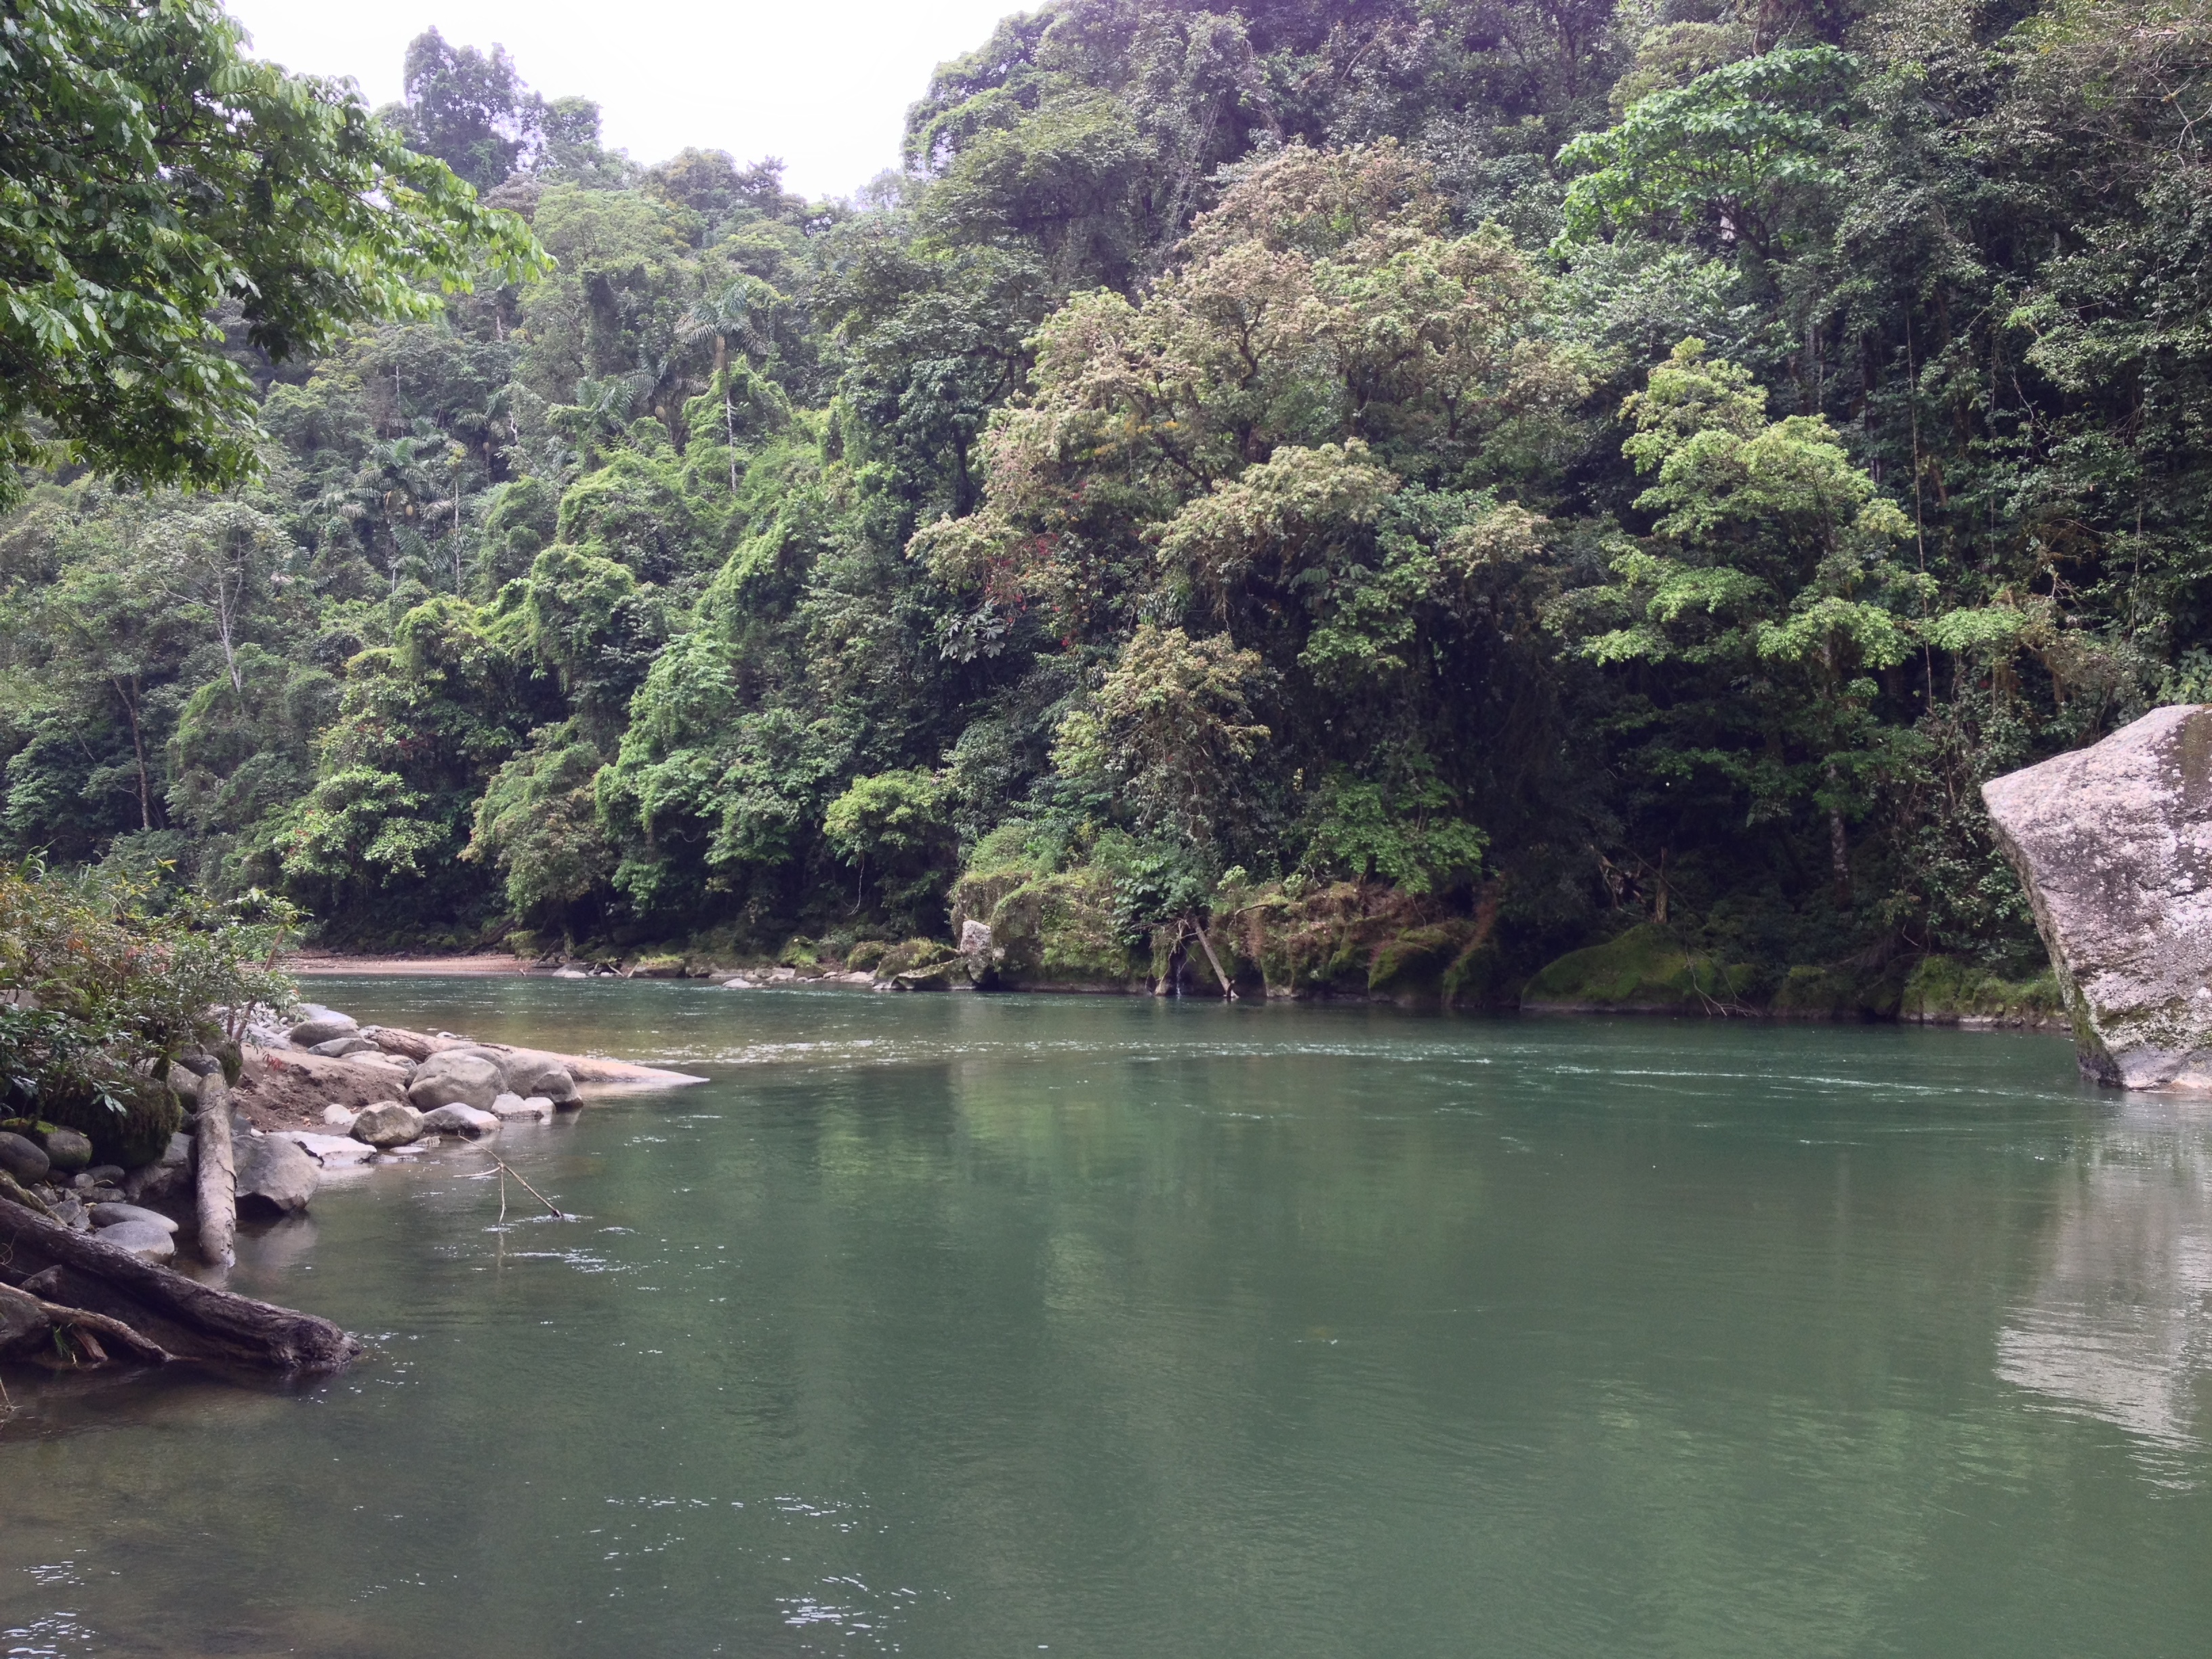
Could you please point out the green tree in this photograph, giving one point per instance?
(150, 173)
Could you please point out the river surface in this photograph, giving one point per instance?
(973, 1326)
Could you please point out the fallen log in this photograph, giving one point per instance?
(217, 1184)
(48, 1333)
(181, 1316)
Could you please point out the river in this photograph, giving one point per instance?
(962, 1326)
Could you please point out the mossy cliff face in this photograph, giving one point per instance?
(1051, 930)
(1057, 931)
(1646, 970)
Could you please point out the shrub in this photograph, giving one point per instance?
(105, 979)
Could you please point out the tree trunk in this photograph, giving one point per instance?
(173, 1313)
(217, 1183)
(138, 749)
(1839, 846)
(1228, 990)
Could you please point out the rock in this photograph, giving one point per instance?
(156, 1181)
(331, 1152)
(387, 1124)
(141, 1238)
(470, 1120)
(339, 1048)
(114, 1215)
(340, 1116)
(2113, 843)
(328, 1028)
(974, 937)
(452, 1076)
(185, 1083)
(507, 1108)
(72, 1215)
(66, 1149)
(25, 1160)
(275, 1177)
(569, 973)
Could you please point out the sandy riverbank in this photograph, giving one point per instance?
(317, 965)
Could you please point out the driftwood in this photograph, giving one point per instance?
(48, 1333)
(172, 1315)
(217, 1183)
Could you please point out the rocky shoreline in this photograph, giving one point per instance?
(95, 1258)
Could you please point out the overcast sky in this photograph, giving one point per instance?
(823, 84)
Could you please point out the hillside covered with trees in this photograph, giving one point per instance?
(1420, 487)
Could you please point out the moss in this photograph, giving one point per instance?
(863, 958)
(915, 953)
(662, 967)
(1411, 966)
(137, 1135)
(1947, 991)
(1059, 930)
(1809, 993)
(1644, 970)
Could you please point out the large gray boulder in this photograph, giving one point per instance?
(2114, 845)
(452, 1076)
(384, 1124)
(323, 1027)
(457, 1119)
(275, 1177)
(25, 1160)
(526, 1071)
(141, 1238)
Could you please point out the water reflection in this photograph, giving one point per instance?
(2120, 1325)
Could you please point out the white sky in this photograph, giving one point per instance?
(823, 84)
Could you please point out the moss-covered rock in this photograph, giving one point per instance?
(1645, 970)
(1411, 966)
(137, 1135)
(658, 968)
(863, 957)
(1845, 994)
(1946, 991)
(1058, 930)
(915, 954)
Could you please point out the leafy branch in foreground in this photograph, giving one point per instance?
(150, 173)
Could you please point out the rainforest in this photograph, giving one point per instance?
(1415, 496)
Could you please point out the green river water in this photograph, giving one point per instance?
(976, 1327)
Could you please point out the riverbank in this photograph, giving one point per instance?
(1645, 970)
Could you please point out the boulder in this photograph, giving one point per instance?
(325, 1027)
(468, 1120)
(508, 1107)
(339, 1048)
(141, 1238)
(113, 1215)
(2113, 843)
(387, 1124)
(340, 1117)
(66, 1149)
(275, 1177)
(158, 1180)
(452, 1076)
(331, 1152)
(25, 1160)
(185, 1083)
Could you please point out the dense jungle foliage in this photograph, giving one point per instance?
(1517, 469)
